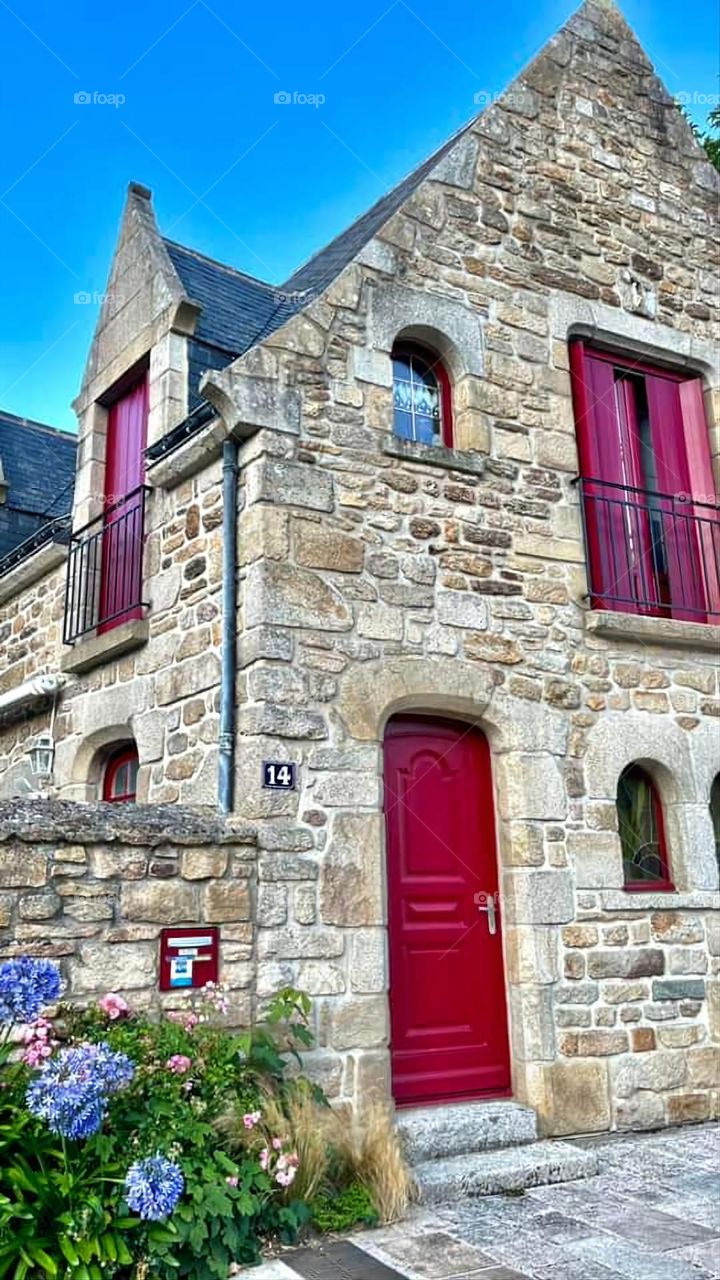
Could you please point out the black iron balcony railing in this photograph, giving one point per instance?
(652, 553)
(104, 584)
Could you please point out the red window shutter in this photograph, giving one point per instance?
(606, 460)
(702, 488)
(123, 532)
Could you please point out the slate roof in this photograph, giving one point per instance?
(38, 464)
(236, 307)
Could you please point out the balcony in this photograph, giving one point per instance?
(650, 553)
(104, 586)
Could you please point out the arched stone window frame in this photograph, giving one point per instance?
(444, 325)
(679, 766)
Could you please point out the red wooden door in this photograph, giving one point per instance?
(448, 1013)
(120, 584)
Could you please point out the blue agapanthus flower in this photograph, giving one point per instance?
(71, 1090)
(26, 986)
(153, 1187)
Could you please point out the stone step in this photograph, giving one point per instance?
(490, 1173)
(432, 1133)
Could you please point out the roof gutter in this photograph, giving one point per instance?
(32, 691)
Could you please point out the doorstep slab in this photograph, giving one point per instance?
(511, 1169)
(430, 1133)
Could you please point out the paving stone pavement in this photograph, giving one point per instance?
(652, 1213)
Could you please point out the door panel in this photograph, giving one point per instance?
(121, 587)
(447, 986)
(681, 531)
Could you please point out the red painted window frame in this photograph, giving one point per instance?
(664, 883)
(437, 367)
(125, 755)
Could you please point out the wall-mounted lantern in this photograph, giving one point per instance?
(42, 755)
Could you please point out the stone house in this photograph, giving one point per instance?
(433, 526)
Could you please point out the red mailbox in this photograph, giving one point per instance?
(189, 957)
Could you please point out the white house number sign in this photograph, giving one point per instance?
(278, 775)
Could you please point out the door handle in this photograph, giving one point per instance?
(486, 902)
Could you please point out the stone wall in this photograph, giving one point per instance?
(162, 693)
(91, 886)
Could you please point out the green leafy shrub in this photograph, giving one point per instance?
(339, 1211)
(112, 1161)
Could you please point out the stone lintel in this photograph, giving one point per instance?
(36, 566)
(664, 632)
(620, 900)
(96, 649)
(435, 455)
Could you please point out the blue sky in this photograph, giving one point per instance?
(255, 183)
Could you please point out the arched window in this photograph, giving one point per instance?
(120, 777)
(642, 831)
(715, 813)
(422, 399)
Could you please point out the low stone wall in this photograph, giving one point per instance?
(91, 886)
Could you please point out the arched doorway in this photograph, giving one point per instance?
(448, 1011)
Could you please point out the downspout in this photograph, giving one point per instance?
(228, 667)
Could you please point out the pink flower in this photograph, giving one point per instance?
(179, 1064)
(277, 1143)
(285, 1176)
(113, 1006)
(251, 1118)
(39, 1042)
(232, 1182)
(186, 1019)
(264, 1158)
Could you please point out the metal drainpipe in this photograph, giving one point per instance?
(228, 670)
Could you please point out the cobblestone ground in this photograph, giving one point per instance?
(652, 1213)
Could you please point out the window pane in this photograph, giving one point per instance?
(426, 430)
(403, 425)
(637, 805)
(120, 781)
(417, 402)
(132, 769)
